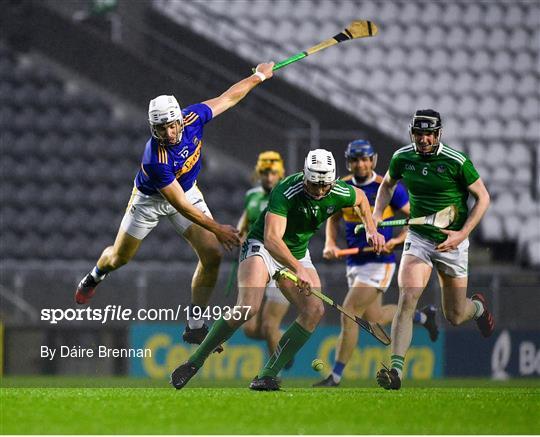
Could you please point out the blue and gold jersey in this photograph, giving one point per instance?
(370, 188)
(161, 165)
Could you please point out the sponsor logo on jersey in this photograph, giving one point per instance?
(441, 169)
(409, 167)
(330, 210)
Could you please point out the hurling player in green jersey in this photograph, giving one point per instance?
(269, 170)
(436, 176)
(297, 207)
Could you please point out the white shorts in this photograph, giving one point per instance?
(378, 275)
(144, 212)
(252, 247)
(453, 263)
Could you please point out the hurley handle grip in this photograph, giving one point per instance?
(386, 224)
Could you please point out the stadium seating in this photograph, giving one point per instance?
(477, 63)
(68, 166)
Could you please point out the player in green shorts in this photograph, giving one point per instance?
(269, 170)
(297, 207)
(436, 176)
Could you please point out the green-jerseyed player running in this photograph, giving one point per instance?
(436, 176)
(297, 207)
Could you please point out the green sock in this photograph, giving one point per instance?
(291, 342)
(397, 362)
(219, 333)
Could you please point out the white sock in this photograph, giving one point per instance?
(336, 377)
(96, 276)
(423, 318)
(479, 309)
(195, 323)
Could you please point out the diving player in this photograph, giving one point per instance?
(297, 207)
(368, 274)
(166, 187)
(269, 170)
(436, 176)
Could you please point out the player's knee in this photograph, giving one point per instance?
(211, 258)
(408, 301)
(314, 312)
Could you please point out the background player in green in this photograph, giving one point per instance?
(436, 176)
(298, 206)
(269, 170)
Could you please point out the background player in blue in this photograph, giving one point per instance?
(368, 274)
(166, 186)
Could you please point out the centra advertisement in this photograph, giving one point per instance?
(243, 357)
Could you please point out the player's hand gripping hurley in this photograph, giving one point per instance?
(373, 328)
(441, 219)
(357, 29)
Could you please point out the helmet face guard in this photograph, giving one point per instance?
(426, 121)
(162, 111)
(319, 169)
(360, 149)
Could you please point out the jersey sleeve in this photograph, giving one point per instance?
(400, 197)
(469, 174)
(278, 203)
(203, 114)
(160, 175)
(350, 200)
(394, 169)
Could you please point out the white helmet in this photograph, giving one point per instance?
(320, 167)
(162, 110)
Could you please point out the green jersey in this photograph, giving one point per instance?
(304, 214)
(434, 182)
(255, 202)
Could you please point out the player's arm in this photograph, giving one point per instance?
(480, 193)
(363, 210)
(239, 90)
(274, 229)
(331, 235)
(227, 235)
(384, 195)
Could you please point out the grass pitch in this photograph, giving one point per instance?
(123, 406)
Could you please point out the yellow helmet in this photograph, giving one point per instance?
(270, 160)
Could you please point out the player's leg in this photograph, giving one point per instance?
(208, 250)
(452, 269)
(384, 314)
(310, 310)
(252, 279)
(252, 327)
(209, 253)
(272, 314)
(139, 219)
(379, 313)
(457, 308)
(413, 276)
(359, 297)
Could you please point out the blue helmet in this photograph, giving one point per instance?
(360, 148)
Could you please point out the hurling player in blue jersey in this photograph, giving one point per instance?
(368, 274)
(166, 187)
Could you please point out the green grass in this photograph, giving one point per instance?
(120, 405)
